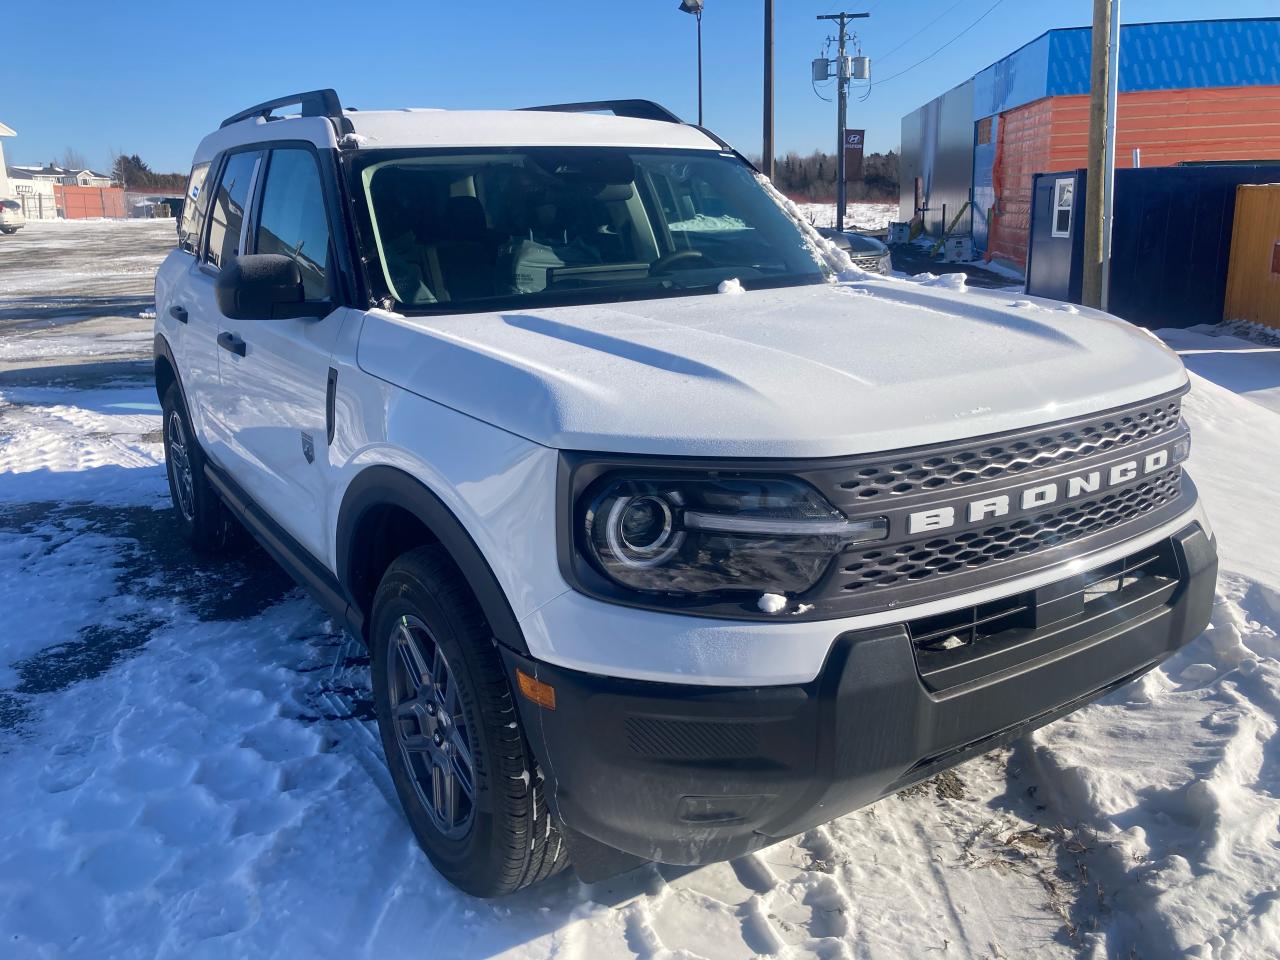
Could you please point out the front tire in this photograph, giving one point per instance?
(203, 520)
(469, 785)
(8, 229)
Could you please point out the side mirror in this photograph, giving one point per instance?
(261, 286)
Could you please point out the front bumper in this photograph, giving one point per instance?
(690, 774)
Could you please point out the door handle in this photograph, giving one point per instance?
(178, 313)
(229, 341)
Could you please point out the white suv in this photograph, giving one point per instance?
(670, 533)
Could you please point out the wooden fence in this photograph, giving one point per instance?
(78, 203)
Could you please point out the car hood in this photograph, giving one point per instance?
(856, 243)
(810, 371)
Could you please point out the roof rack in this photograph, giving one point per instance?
(639, 109)
(313, 103)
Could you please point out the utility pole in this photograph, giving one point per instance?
(842, 102)
(1101, 149)
(766, 154)
(1109, 161)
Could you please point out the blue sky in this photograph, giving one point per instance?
(154, 79)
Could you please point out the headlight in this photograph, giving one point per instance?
(713, 534)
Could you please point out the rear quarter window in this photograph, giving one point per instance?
(193, 209)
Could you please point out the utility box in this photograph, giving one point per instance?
(899, 232)
(957, 249)
(1253, 277)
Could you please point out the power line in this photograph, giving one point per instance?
(895, 76)
(885, 56)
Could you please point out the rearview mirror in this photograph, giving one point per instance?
(261, 286)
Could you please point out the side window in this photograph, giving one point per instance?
(227, 213)
(293, 220)
(193, 209)
(1063, 195)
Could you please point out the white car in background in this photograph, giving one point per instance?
(11, 216)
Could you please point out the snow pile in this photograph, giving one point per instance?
(771, 603)
(731, 286)
(858, 216)
(947, 281)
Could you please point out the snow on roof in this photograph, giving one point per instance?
(53, 170)
(525, 128)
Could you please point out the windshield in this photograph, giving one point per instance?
(479, 230)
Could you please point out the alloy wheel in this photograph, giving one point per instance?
(431, 731)
(179, 461)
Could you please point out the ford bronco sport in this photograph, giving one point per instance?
(670, 532)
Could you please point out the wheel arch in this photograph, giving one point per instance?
(385, 511)
(166, 369)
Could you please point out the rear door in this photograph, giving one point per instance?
(194, 295)
(276, 392)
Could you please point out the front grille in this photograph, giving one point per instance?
(867, 263)
(878, 568)
(964, 645)
(966, 464)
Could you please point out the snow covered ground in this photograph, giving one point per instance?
(190, 770)
(858, 216)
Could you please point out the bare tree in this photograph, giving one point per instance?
(73, 159)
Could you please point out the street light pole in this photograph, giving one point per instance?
(766, 154)
(699, 66)
(695, 7)
(842, 101)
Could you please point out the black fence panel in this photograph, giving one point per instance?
(1170, 247)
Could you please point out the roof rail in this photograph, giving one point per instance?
(313, 103)
(639, 109)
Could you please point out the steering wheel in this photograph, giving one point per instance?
(665, 262)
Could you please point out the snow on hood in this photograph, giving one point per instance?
(811, 371)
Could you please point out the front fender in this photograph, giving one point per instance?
(382, 485)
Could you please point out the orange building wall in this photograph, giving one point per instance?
(1022, 149)
(1050, 135)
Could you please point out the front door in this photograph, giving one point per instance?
(275, 391)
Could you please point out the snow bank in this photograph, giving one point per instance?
(1175, 774)
(858, 216)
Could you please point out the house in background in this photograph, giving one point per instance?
(52, 173)
(52, 192)
(38, 199)
(1193, 91)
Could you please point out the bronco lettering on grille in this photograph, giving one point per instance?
(1038, 495)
